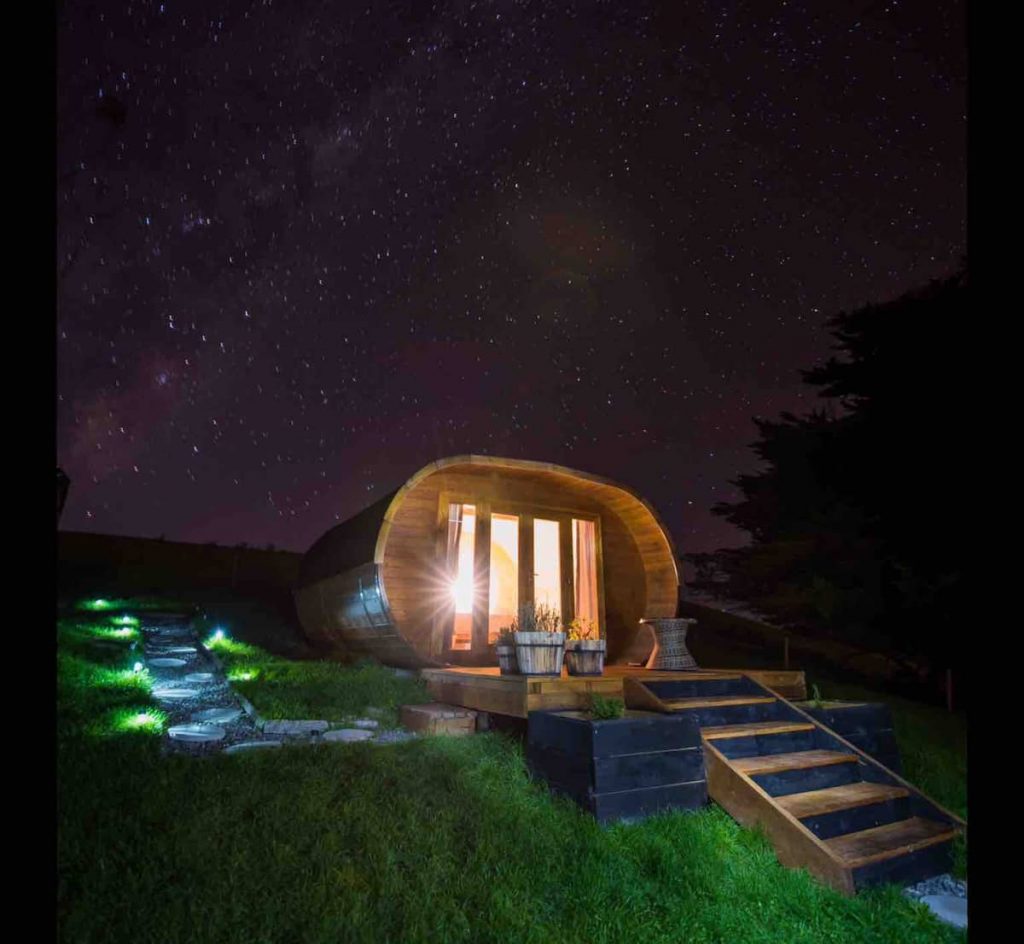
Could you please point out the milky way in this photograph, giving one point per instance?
(306, 248)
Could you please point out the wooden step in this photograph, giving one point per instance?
(887, 842)
(833, 799)
(716, 701)
(752, 729)
(798, 760)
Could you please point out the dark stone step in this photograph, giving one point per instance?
(908, 868)
(858, 818)
(801, 780)
(751, 746)
(700, 688)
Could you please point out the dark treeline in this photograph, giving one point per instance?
(858, 516)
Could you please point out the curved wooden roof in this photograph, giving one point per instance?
(363, 537)
(652, 537)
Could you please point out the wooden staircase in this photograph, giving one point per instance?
(825, 805)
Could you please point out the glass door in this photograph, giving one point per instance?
(547, 570)
(461, 548)
(503, 598)
(584, 571)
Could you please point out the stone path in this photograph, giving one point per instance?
(206, 715)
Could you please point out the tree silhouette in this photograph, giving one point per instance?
(857, 517)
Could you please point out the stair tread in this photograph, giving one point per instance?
(797, 760)
(716, 701)
(832, 799)
(753, 728)
(887, 842)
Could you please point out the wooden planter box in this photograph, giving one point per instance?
(540, 653)
(508, 664)
(867, 725)
(585, 656)
(622, 768)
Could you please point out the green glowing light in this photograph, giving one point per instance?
(125, 621)
(242, 675)
(136, 720)
(106, 632)
(137, 679)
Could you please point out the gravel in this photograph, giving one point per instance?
(940, 885)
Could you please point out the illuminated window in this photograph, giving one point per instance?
(461, 545)
(503, 598)
(547, 575)
(584, 569)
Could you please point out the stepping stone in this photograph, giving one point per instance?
(948, 908)
(166, 663)
(295, 728)
(365, 723)
(438, 718)
(182, 650)
(250, 746)
(347, 735)
(217, 715)
(200, 677)
(174, 694)
(196, 733)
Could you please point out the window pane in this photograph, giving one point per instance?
(504, 595)
(584, 568)
(461, 542)
(547, 577)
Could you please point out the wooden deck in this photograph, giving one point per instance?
(485, 689)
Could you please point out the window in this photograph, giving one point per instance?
(523, 558)
(584, 569)
(547, 574)
(503, 599)
(461, 545)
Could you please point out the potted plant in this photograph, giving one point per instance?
(540, 647)
(506, 650)
(584, 652)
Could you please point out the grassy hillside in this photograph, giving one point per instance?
(439, 839)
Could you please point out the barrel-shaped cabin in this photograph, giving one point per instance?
(428, 575)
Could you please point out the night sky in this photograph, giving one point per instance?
(304, 249)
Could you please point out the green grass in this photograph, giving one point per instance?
(136, 603)
(440, 839)
(280, 688)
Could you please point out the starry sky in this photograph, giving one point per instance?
(305, 248)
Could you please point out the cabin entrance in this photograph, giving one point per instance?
(496, 556)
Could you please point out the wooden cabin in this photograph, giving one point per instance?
(429, 574)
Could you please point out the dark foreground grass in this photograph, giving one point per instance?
(442, 839)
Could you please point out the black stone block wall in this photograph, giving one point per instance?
(619, 769)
